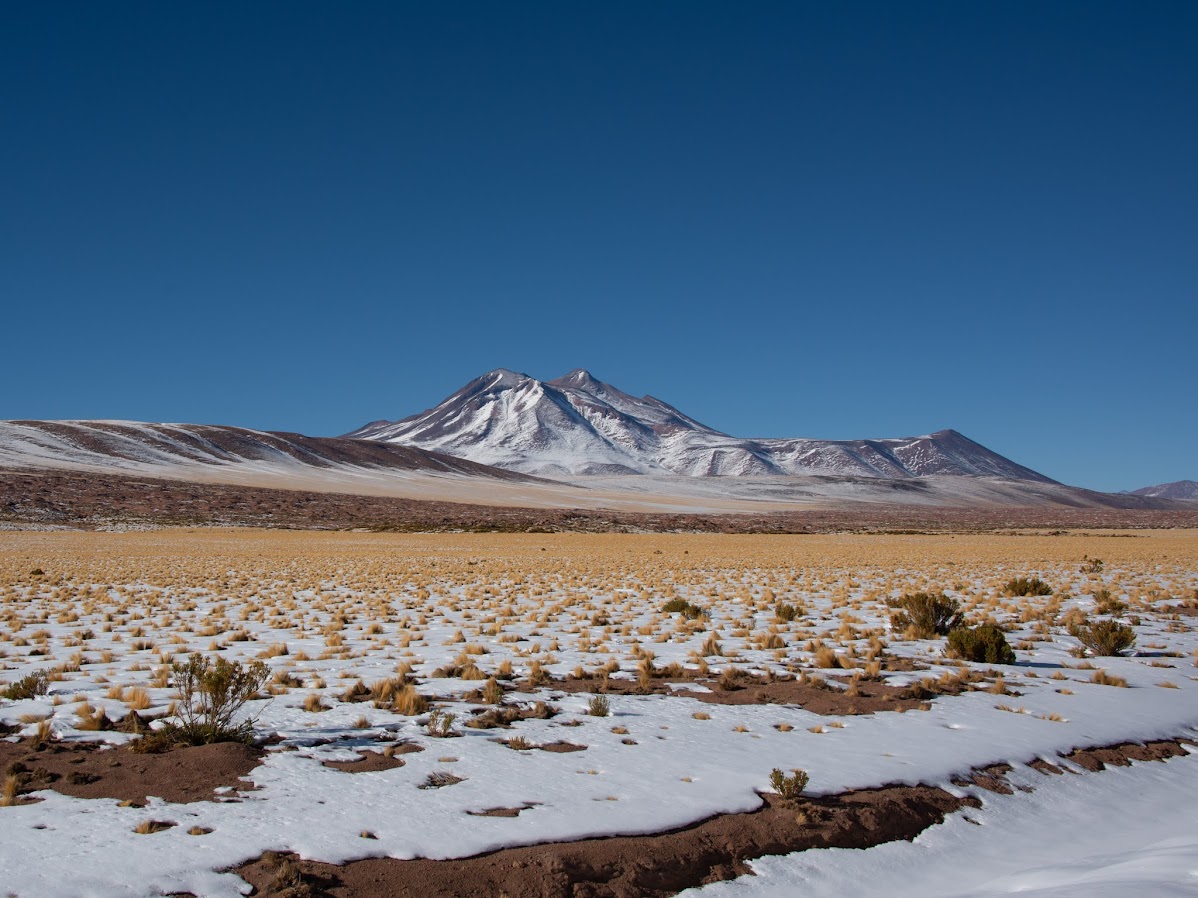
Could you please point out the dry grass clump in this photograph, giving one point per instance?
(1026, 586)
(1102, 678)
(146, 827)
(598, 706)
(314, 703)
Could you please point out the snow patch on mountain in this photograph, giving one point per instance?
(577, 425)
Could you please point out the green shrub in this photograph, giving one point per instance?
(210, 696)
(598, 706)
(29, 686)
(789, 787)
(930, 614)
(685, 608)
(984, 644)
(785, 613)
(1106, 637)
(1023, 586)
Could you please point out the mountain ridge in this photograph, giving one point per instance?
(44, 463)
(135, 445)
(1177, 489)
(577, 425)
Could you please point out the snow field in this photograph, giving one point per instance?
(111, 611)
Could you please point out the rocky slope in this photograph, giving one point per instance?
(137, 447)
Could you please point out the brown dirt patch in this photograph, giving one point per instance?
(85, 770)
(561, 747)
(818, 699)
(815, 697)
(628, 866)
(367, 762)
(992, 779)
(1042, 766)
(1122, 754)
(501, 812)
(406, 748)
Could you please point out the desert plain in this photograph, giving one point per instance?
(585, 714)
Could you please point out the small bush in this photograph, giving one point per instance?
(1023, 586)
(29, 686)
(210, 696)
(598, 706)
(493, 692)
(1106, 603)
(983, 644)
(440, 724)
(685, 608)
(930, 614)
(785, 613)
(1106, 637)
(789, 787)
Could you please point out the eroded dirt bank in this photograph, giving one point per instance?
(663, 864)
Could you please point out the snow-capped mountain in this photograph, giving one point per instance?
(1178, 489)
(577, 425)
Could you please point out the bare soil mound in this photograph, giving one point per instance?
(87, 770)
(657, 865)
(368, 762)
(1121, 755)
(816, 697)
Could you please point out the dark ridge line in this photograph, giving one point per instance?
(86, 500)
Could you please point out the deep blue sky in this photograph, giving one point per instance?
(787, 219)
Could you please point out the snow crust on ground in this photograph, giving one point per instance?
(1122, 832)
(680, 768)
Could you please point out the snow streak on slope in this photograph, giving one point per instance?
(577, 425)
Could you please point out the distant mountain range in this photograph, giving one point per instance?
(577, 425)
(1178, 489)
(509, 440)
(485, 443)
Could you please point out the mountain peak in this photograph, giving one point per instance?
(580, 379)
(578, 425)
(504, 377)
(1178, 489)
(577, 376)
